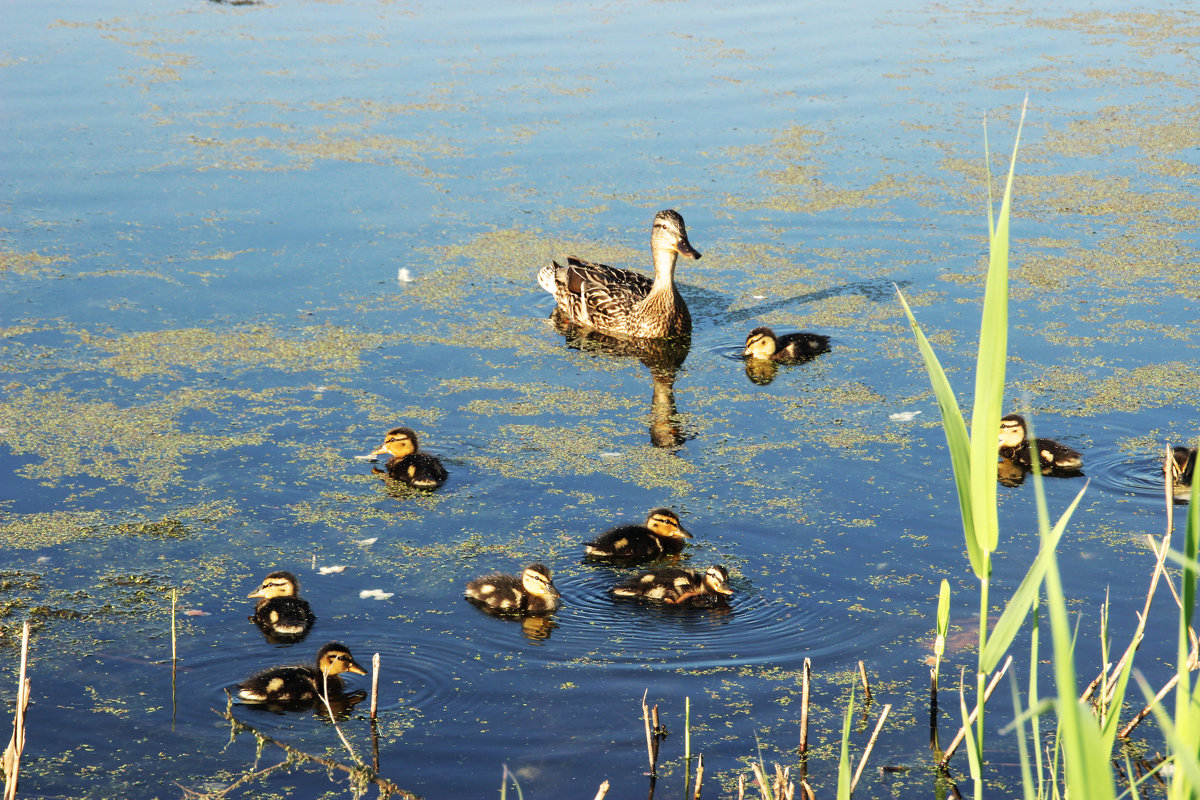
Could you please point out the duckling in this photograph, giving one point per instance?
(662, 535)
(678, 586)
(1183, 465)
(621, 302)
(791, 348)
(301, 685)
(1050, 456)
(408, 464)
(531, 593)
(281, 613)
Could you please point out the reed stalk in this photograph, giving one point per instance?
(870, 746)
(806, 677)
(374, 686)
(16, 745)
(862, 674)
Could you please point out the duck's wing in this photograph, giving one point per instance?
(603, 293)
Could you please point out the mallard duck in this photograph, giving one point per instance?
(408, 464)
(1050, 456)
(678, 586)
(532, 592)
(1183, 465)
(791, 348)
(301, 685)
(662, 535)
(621, 302)
(280, 612)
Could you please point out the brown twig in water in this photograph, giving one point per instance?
(962, 732)
(16, 745)
(386, 787)
(741, 787)
(862, 673)
(805, 676)
(699, 775)
(374, 685)
(602, 792)
(870, 744)
(649, 736)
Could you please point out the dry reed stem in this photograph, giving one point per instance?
(862, 673)
(699, 776)
(16, 745)
(649, 737)
(374, 685)
(763, 788)
(741, 787)
(659, 732)
(602, 791)
(806, 791)
(333, 720)
(962, 732)
(870, 744)
(806, 676)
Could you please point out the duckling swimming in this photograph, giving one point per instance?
(678, 586)
(621, 302)
(1183, 465)
(301, 686)
(408, 464)
(1050, 456)
(281, 614)
(531, 593)
(662, 535)
(791, 348)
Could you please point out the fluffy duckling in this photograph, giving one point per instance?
(300, 686)
(791, 348)
(281, 613)
(678, 586)
(531, 593)
(1050, 455)
(408, 464)
(662, 535)
(1183, 465)
(621, 302)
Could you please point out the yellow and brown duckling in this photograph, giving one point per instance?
(621, 302)
(532, 592)
(790, 348)
(408, 464)
(1050, 456)
(281, 614)
(678, 586)
(301, 685)
(661, 535)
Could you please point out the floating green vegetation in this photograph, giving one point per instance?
(323, 348)
(29, 265)
(46, 529)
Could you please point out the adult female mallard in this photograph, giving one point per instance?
(621, 302)
(661, 535)
(1050, 455)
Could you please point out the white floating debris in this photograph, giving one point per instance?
(903, 416)
(367, 457)
(366, 542)
(195, 612)
(404, 276)
(332, 570)
(378, 594)
(759, 296)
(610, 454)
(43, 559)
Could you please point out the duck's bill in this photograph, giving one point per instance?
(686, 249)
(367, 457)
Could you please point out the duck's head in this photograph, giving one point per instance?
(665, 523)
(760, 343)
(716, 579)
(334, 659)
(536, 580)
(399, 442)
(1012, 430)
(669, 233)
(277, 584)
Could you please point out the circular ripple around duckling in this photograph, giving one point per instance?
(1118, 473)
(750, 629)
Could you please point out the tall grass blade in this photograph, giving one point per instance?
(844, 778)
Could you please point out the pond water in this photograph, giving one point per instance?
(240, 242)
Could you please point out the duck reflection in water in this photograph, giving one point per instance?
(662, 357)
